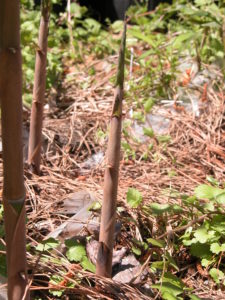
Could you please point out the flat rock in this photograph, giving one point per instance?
(77, 204)
(128, 269)
(92, 252)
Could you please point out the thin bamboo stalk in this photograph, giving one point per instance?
(108, 214)
(35, 139)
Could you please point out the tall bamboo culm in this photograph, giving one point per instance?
(11, 122)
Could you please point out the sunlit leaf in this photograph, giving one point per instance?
(217, 275)
(159, 209)
(202, 235)
(48, 244)
(204, 191)
(217, 248)
(76, 251)
(156, 243)
(148, 105)
(88, 265)
(134, 197)
(148, 131)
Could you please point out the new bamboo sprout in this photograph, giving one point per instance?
(35, 139)
(11, 112)
(108, 214)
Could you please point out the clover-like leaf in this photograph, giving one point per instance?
(203, 235)
(205, 191)
(217, 248)
(76, 251)
(206, 262)
(217, 275)
(134, 197)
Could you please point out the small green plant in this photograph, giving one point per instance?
(202, 233)
(77, 253)
(207, 241)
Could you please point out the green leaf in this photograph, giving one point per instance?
(182, 38)
(88, 265)
(167, 287)
(177, 208)
(202, 235)
(159, 209)
(134, 197)
(56, 280)
(141, 36)
(76, 251)
(212, 180)
(48, 244)
(164, 138)
(148, 131)
(92, 26)
(206, 262)
(194, 297)
(170, 284)
(1, 211)
(169, 277)
(156, 243)
(136, 250)
(95, 206)
(218, 224)
(205, 191)
(221, 198)
(189, 200)
(168, 296)
(117, 26)
(209, 206)
(158, 265)
(217, 275)
(148, 105)
(171, 261)
(138, 115)
(217, 248)
(201, 250)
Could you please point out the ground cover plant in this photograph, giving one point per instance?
(170, 225)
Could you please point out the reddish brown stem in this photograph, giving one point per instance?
(108, 214)
(11, 110)
(35, 139)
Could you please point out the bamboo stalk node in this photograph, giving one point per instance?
(17, 201)
(12, 50)
(22, 274)
(104, 254)
(110, 166)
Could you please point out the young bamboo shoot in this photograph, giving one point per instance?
(108, 214)
(35, 139)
